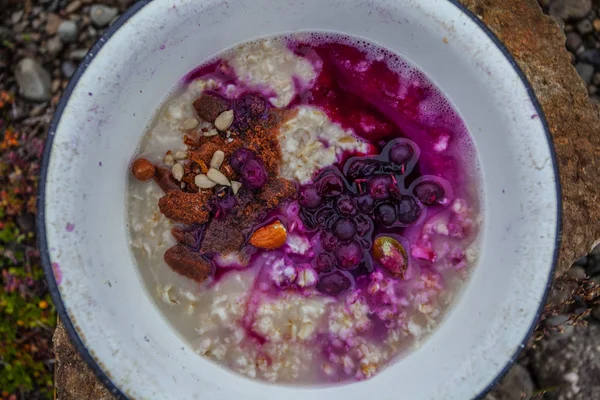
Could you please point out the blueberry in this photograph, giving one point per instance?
(378, 186)
(254, 174)
(324, 262)
(328, 240)
(326, 217)
(401, 153)
(344, 229)
(365, 203)
(345, 206)
(348, 255)
(386, 214)
(224, 205)
(363, 224)
(330, 185)
(429, 192)
(309, 197)
(408, 210)
(239, 158)
(334, 284)
(361, 167)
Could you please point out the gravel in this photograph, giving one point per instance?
(516, 385)
(574, 41)
(68, 31)
(584, 27)
(54, 45)
(570, 366)
(102, 15)
(33, 80)
(68, 69)
(570, 9)
(586, 72)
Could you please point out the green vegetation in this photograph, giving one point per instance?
(27, 316)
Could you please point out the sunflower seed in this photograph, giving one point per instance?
(188, 124)
(177, 171)
(181, 155)
(235, 186)
(217, 159)
(169, 160)
(224, 120)
(212, 132)
(217, 176)
(203, 182)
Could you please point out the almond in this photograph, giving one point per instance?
(270, 236)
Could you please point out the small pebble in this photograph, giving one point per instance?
(585, 27)
(68, 31)
(585, 71)
(33, 80)
(68, 69)
(576, 271)
(52, 24)
(573, 41)
(101, 15)
(55, 85)
(54, 45)
(78, 55)
(73, 6)
(15, 18)
(591, 56)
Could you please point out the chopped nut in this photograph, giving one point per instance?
(217, 159)
(177, 171)
(142, 169)
(224, 120)
(181, 155)
(269, 237)
(212, 132)
(188, 124)
(169, 160)
(217, 176)
(203, 182)
(235, 186)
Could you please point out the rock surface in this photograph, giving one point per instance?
(33, 80)
(569, 366)
(74, 380)
(516, 385)
(537, 43)
(102, 15)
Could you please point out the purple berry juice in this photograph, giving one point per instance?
(315, 211)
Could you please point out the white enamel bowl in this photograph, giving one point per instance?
(122, 82)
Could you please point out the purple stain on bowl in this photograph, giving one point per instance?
(70, 227)
(100, 163)
(57, 272)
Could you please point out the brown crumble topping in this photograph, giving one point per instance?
(184, 203)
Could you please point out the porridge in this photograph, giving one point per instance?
(304, 209)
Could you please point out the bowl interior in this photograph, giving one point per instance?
(131, 71)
